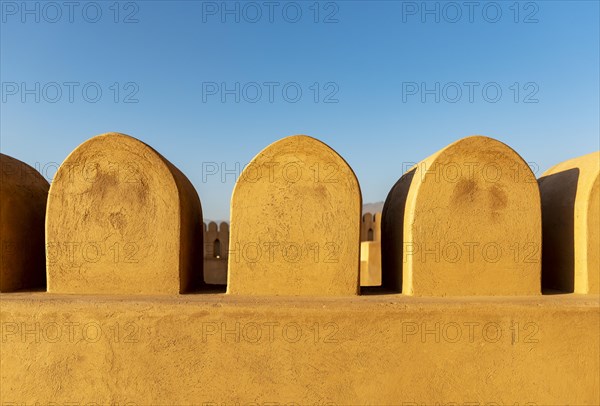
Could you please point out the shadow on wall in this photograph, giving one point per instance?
(558, 192)
(393, 213)
(23, 194)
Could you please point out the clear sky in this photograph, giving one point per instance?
(210, 84)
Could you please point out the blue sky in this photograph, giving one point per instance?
(169, 74)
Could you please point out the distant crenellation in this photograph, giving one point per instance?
(216, 247)
(470, 220)
(216, 240)
(216, 235)
(216, 250)
(370, 228)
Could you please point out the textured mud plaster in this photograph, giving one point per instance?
(122, 219)
(571, 210)
(23, 195)
(295, 223)
(213, 350)
(465, 221)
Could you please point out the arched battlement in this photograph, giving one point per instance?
(571, 226)
(464, 221)
(122, 219)
(295, 222)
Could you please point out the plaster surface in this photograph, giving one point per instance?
(209, 349)
(295, 223)
(464, 221)
(122, 219)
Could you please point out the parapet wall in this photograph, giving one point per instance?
(441, 299)
(217, 349)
